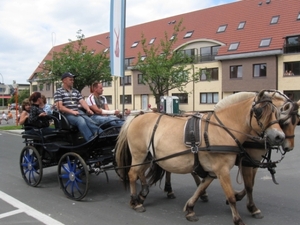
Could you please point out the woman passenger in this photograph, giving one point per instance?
(37, 116)
(25, 111)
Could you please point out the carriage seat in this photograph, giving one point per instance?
(61, 123)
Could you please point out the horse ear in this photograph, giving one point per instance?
(261, 94)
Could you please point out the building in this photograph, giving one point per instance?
(247, 45)
(6, 91)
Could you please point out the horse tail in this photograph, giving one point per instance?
(122, 153)
(155, 173)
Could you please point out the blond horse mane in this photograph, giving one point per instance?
(235, 98)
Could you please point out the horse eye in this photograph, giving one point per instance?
(258, 112)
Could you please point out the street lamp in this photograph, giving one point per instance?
(100, 43)
(2, 91)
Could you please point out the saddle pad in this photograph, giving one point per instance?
(192, 130)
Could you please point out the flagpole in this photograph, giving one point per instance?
(123, 69)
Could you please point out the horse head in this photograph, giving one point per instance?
(288, 120)
(267, 119)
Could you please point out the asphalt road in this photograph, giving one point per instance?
(107, 203)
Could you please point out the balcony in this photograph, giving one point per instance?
(291, 48)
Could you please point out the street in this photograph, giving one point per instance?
(108, 202)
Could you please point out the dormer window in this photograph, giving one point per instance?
(233, 46)
(241, 25)
(152, 41)
(105, 50)
(222, 28)
(134, 44)
(188, 34)
(143, 58)
(265, 42)
(173, 36)
(274, 19)
(298, 18)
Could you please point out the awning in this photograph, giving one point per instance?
(5, 96)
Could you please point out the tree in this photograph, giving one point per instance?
(76, 58)
(22, 94)
(163, 68)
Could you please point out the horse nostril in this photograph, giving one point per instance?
(279, 139)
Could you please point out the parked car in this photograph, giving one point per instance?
(13, 106)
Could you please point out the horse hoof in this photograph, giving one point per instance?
(192, 218)
(204, 198)
(140, 208)
(171, 195)
(258, 216)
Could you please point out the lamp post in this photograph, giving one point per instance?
(2, 91)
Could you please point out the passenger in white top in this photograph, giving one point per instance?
(98, 104)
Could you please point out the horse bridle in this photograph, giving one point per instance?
(257, 113)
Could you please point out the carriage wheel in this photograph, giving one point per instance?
(73, 176)
(31, 166)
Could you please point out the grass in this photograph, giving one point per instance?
(12, 127)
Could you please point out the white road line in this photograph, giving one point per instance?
(11, 213)
(26, 209)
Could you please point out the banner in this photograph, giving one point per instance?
(117, 36)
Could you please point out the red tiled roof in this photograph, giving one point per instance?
(206, 22)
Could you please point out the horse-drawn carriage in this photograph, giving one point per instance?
(66, 148)
(142, 142)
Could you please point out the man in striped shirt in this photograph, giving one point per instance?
(67, 100)
(98, 104)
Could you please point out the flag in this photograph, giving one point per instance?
(117, 36)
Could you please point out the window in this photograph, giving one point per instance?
(274, 20)
(298, 18)
(173, 37)
(208, 53)
(134, 44)
(233, 46)
(127, 80)
(106, 83)
(41, 86)
(128, 62)
(127, 99)
(152, 41)
(236, 71)
(260, 70)
(47, 87)
(34, 88)
(241, 25)
(143, 58)
(292, 68)
(140, 78)
(183, 97)
(209, 74)
(292, 44)
(58, 85)
(189, 53)
(172, 22)
(109, 99)
(265, 42)
(209, 98)
(188, 34)
(221, 28)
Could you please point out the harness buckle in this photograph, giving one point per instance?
(194, 149)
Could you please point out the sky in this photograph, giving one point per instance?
(30, 28)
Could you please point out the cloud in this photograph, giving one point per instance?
(30, 28)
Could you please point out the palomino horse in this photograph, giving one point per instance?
(288, 120)
(146, 134)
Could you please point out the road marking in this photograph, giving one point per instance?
(23, 208)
